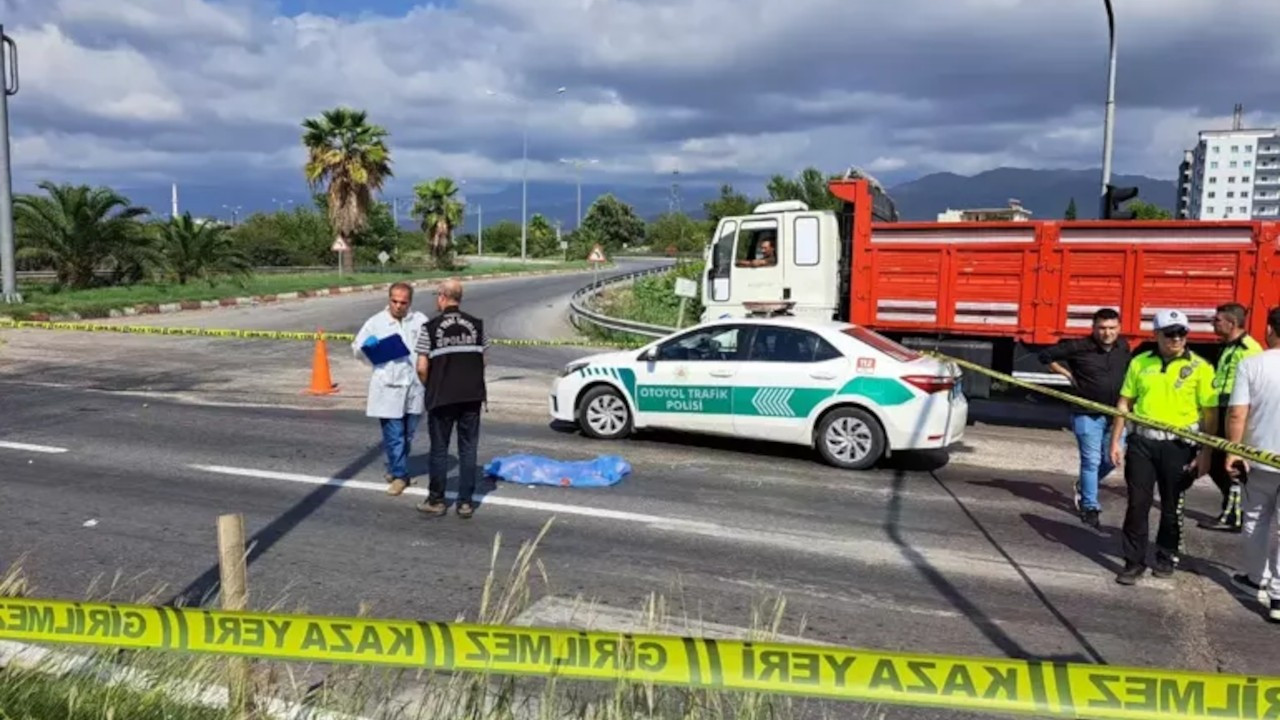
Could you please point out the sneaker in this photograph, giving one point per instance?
(1078, 497)
(1274, 613)
(1221, 524)
(1164, 567)
(466, 510)
(432, 507)
(1092, 519)
(1130, 574)
(1242, 583)
(397, 486)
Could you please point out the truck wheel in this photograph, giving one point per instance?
(603, 414)
(850, 438)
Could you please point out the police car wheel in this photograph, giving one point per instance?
(850, 438)
(603, 414)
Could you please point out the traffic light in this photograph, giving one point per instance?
(1114, 198)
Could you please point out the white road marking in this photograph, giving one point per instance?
(47, 449)
(486, 499)
(864, 550)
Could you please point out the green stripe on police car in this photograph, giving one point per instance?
(758, 401)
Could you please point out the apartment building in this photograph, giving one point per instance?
(1231, 175)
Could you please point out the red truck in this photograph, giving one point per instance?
(994, 293)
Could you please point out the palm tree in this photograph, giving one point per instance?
(200, 250)
(349, 156)
(436, 206)
(79, 230)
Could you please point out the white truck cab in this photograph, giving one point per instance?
(783, 256)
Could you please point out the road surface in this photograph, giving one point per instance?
(116, 462)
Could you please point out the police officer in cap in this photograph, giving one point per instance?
(1174, 387)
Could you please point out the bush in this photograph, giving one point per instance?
(653, 299)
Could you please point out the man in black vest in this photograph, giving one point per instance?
(451, 361)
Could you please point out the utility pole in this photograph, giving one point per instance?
(173, 201)
(479, 229)
(1109, 118)
(673, 202)
(9, 76)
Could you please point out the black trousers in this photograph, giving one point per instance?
(440, 424)
(1151, 466)
(1227, 485)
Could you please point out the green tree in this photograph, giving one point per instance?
(77, 230)
(678, 231)
(810, 187)
(195, 250)
(502, 238)
(347, 156)
(542, 237)
(438, 211)
(1071, 213)
(1148, 211)
(298, 237)
(613, 224)
(727, 204)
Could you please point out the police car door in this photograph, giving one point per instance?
(785, 374)
(687, 384)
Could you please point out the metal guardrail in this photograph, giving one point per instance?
(579, 309)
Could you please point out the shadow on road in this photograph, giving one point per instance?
(1100, 548)
(201, 590)
(998, 637)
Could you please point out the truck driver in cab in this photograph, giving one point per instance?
(766, 252)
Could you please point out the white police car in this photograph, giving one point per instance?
(849, 392)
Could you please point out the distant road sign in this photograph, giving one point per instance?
(597, 255)
(686, 288)
(339, 245)
(383, 257)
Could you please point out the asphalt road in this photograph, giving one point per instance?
(977, 553)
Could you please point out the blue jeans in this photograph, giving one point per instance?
(1093, 435)
(397, 437)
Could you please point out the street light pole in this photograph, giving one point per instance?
(524, 196)
(577, 168)
(1109, 117)
(8, 86)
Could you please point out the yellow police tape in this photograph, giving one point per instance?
(1262, 457)
(1045, 688)
(264, 334)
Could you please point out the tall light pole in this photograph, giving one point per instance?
(8, 86)
(577, 167)
(524, 183)
(1109, 117)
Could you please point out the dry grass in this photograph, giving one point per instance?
(48, 684)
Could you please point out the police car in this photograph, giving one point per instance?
(848, 392)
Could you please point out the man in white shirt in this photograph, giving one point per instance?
(1253, 419)
(395, 393)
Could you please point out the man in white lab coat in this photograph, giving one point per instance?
(395, 393)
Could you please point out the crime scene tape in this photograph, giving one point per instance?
(1044, 688)
(267, 334)
(1262, 457)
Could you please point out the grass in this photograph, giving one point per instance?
(649, 300)
(105, 685)
(97, 302)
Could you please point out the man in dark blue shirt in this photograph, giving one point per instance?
(1095, 366)
(451, 361)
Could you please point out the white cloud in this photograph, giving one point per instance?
(712, 88)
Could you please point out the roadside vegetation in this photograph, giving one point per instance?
(155, 686)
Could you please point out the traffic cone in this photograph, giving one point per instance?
(321, 382)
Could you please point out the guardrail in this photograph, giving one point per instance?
(579, 310)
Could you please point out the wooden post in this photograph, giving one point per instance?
(235, 596)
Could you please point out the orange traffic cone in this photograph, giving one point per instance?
(321, 382)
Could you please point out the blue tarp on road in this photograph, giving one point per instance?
(527, 469)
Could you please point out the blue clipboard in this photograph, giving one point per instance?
(389, 348)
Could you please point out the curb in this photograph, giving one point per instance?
(189, 305)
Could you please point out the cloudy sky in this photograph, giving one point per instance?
(211, 92)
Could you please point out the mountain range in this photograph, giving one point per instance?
(1046, 193)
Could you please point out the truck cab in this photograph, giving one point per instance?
(783, 256)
